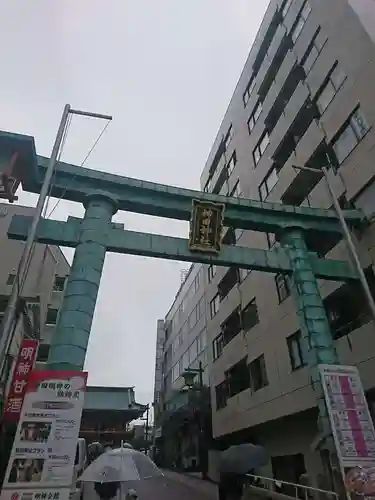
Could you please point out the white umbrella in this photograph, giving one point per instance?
(121, 465)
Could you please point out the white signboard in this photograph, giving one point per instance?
(42, 460)
(365, 10)
(351, 422)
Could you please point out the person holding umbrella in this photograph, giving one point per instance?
(235, 463)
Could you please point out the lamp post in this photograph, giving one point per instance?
(145, 434)
(347, 234)
(189, 376)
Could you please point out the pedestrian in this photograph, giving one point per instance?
(230, 486)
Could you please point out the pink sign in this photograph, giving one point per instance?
(351, 422)
(24, 365)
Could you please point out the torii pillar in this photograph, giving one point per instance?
(71, 336)
(316, 332)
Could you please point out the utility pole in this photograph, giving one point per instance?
(10, 313)
(7, 326)
(347, 235)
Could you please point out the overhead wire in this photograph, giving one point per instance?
(81, 165)
(21, 283)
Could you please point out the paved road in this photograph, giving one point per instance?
(175, 487)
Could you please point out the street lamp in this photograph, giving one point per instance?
(347, 234)
(189, 376)
(145, 433)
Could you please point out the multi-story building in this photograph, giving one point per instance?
(304, 98)
(43, 288)
(184, 348)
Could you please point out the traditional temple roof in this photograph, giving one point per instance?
(114, 402)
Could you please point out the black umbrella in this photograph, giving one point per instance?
(242, 458)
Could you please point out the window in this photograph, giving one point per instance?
(249, 90)
(286, 7)
(175, 372)
(59, 283)
(51, 317)
(352, 133)
(346, 310)
(238, 377)
(301, 20)
(221, 393)
(228, 282)
(228, 137)
(193, 351)
(258, 374)
(313, 50)
(297, 354)
(268, 184)
(211, 272)
(271, 240)
(218, 346)
(244, 273)
(282, 287)
(236, 191)
(331, 86)
(232, 326)
(43, 352)
(250, 316)
(176, 344)
(11, 279)
(231, 163)
(214, 305)
(261, 147)
(254, 116)
(201, 341)
(229, 237)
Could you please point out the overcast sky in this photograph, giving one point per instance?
(165, 70)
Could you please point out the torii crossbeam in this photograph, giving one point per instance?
(103, 194)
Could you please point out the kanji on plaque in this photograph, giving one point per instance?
(206, 225)
(24, 365)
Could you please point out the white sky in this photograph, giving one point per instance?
(165, 70)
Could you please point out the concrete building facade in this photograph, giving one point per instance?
(43, 288)
(304, 98)
(184, 348)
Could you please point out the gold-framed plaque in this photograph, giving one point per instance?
(206, 224)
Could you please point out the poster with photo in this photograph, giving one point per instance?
(44, 448)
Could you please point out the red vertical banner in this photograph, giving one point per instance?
(24, 365)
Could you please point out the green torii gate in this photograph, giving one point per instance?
(103, 194)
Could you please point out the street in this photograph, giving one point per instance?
(175, 486)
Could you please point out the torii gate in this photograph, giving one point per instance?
(102, 194)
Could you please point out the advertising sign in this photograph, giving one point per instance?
(352, 426)
(351, 422)
(41, 464)
(24, 364)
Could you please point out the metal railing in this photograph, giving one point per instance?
(292, 490)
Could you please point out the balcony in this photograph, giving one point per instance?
(304, 149)
(293, 80)
(292, 15)
(291, 112)
(219, 177)
(285, 69)
(273, 62)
